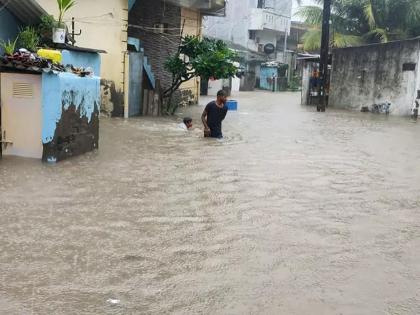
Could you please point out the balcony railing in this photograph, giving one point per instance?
(207, 7)
(264, 19)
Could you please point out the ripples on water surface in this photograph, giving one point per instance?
(294, 212)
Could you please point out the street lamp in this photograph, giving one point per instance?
(323, 66)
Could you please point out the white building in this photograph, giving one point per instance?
(251, 23)
(256, 28)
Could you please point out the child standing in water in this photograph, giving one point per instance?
(186, 124)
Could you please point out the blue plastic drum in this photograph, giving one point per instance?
(232, 104)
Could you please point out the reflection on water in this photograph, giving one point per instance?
(293, 212)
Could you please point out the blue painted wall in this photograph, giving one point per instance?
(135, 42)
(9, 26)
(131, 4)
(82, 59)
(85, 93)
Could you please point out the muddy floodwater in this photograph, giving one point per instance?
(294, 212)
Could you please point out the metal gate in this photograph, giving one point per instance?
(135, 92)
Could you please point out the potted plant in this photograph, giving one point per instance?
(29, 38)
(59, 32)
(9, 47)
(45, 29)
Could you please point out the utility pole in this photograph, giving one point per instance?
(285, 45)
(323, 66)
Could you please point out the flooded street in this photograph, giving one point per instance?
(294, 212)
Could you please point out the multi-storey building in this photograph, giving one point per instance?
(255, 27)
(252, 23)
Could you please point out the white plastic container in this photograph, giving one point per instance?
(59, 35)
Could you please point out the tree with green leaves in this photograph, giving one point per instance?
(356, 22)
(198, 57)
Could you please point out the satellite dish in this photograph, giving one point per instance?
(269, 49)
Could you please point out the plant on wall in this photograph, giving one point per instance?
(60, 30)
(63, 7)
(29, 38)
(9, 47)
(45, 28)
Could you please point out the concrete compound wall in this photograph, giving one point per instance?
(215, 86)
(59, 120)
(373, 74)
(78, 59)
(70, 115)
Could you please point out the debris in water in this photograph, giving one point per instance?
(113, 301)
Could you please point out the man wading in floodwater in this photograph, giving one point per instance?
(213, 115)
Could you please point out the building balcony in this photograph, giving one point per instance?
(265, 19)
(206, 7)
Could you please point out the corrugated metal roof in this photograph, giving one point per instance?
(27, 11)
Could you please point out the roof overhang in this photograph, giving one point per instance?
(206, 7)
(29, 12)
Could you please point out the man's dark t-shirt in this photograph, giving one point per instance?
(215, 116)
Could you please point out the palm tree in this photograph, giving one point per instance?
(391, 20)
(63, 7)
(344, 30)
(363, 21)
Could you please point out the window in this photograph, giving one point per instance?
(160, 28)
(261, 4)
(410, 66)
(252, 34)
